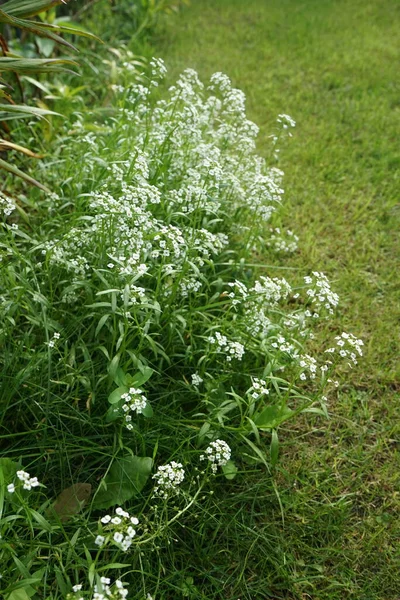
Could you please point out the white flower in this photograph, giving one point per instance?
(105, 519)
(23, 475)
(11, 488)
(99, 541)
(77, 587)
(118, 537)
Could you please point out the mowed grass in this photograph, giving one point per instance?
(333, 66)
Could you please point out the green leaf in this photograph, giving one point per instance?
(35, 65)
(28, 8)
(16, 111)
(114, 412)
(141, 377)
(229, 470)
(20, 594)
(120, 378)
(148, 411)
(9, 469)
(274, 449)
(272, 416)
(113, 369)
(115, 396)
(126, 478)
(15, 171)
(45, 45)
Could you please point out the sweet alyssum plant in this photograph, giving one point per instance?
(150, 352)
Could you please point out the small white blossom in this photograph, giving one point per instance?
(99, 541)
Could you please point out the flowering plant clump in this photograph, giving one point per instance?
(145, 260)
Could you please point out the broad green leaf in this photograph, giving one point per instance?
(272, 416)
(114, 412)
(229, 470)
(125, 479)
(9, 469)
(141, 377)
(45, 45)
(120, 378)
(148, 411)
(20, 594)
(115, 396)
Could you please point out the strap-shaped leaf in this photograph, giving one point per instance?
(29, 8)
(15, 171)
(34, 65)
(10, 112)
(42, 29)
(50, 30)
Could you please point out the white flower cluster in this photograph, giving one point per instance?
(134, 401)
(6, 204)
(282, 241)
(119, 529)
(286, 121)
(263, 296)
(158, 69)
(222, 345)
(106, 590)
(309, 366)
(320, 293)
(347, 346)
(196, 379)
(259, 387)
(54, 340)
(218, 453)
(27, 481)
(168, 478)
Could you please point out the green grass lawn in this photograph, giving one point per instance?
(332, 66)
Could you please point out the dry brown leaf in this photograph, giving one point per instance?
(72, 500)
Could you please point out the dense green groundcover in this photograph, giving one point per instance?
(169, 356)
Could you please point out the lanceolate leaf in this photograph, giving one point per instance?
(34, 65)
(20, 111)
(15, 171)
(29, 8)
